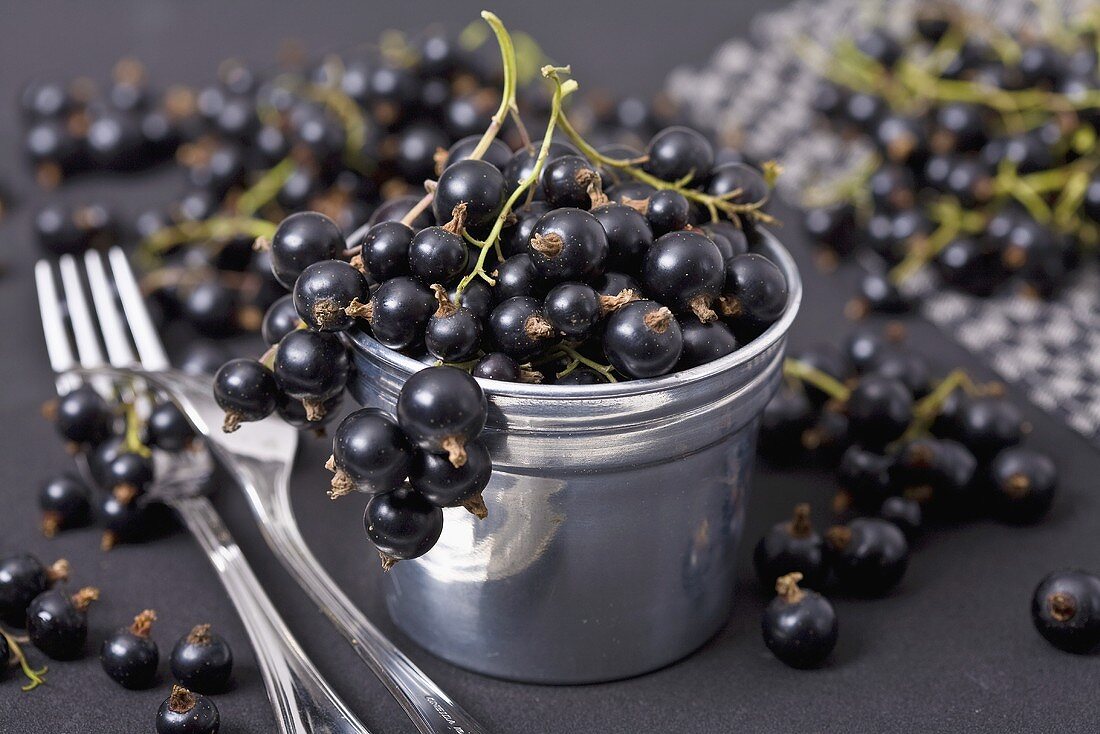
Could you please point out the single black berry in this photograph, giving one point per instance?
(791, 545)
(185, 712)
(57, 624)
(868, 556)
(202, 660)
(799, 626)
(129, 656)
(370, 453)
(1065, 609)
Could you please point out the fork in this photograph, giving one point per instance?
(260, 456)
(301, 698)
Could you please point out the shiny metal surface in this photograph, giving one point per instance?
(615, 513)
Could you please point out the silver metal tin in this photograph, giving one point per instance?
(615, 512)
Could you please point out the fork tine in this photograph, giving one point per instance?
(119, 351)
(84, 329)
(58, 347)
(149, 347)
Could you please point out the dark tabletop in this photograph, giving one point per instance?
(952, 649)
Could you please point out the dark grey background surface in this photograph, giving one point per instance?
(951, 650)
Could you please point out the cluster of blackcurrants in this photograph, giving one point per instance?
(906, 448)
(433, 444)
(349, 136)
(116, 443)
(32, 597)
(986, 166)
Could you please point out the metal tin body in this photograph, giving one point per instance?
(615, 513)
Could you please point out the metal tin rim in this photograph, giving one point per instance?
(753, 349)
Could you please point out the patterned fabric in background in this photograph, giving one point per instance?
(758, 94)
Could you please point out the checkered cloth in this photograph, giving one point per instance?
(757, 94)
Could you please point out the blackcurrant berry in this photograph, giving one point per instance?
(325, 290)
(497, 153)
(57, 624)
(83, 416)
(402, 525)
(369, 453)
(755, 292)
(202, 660)
(785, 418)
(667, 211)
(517, 233)
(988, 424)
(65, 503)
(185, 712)
(906, 365)
(129, 475)
(125, 519)
(738, 183)
(279, 320)
(971, 265)
(445, 485)
(416, 150)
(245, 390)
(128, 656)
(730, 239)
(799, 627)
(573, 309)
(475, 183)
(312, 367)
(301, 240)
(1065, 609)
(453, 333)
(1024, 484)
(864, 477)
(497, 366)
(678, 153)
(22, 578)
(613, 284)
(643, 339)
(568, 244)
(437, 255)
(519, 329)
(630, 193)
(440, 409)
(790, 546)
(825, 358)
(868, 556)
(879, 410)
(903, 512)
(202, 358)
(629, 236)
(212, 308)
(704, 343)
(517, 276)
(522, 163)
(385, 250)
(685, 270)
(398, 312)
(570, 181)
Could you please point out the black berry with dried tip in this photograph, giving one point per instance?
(799, 626)
(324, 291)
(185, 712)
(83, 416)
(65, 503)
(879, 410)
(868, 556)
(1024, 484)
(399, 311)
(643, 339)
(370, 453)
(402, 525)
(519, 329)
(129, 656)
(202, 660)
(301, 240)
(245, 390)
(444, 485)
(22, 578)
(475, 183)
(440, 409)
(792, 545)
(684, 270)
(1065, 609)
(568, 244)
(755, 291)
(57, 623)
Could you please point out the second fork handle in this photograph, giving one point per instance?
(432, 710)
(302, 699)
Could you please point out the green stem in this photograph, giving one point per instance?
(508, 94)
(927, 408)
(215, 228)
(561, 90)
(34, 676)
(578, 358)
(810, 375)
(132, 439)
(264, 190)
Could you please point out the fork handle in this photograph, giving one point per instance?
(302, 700)
(429, 708)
